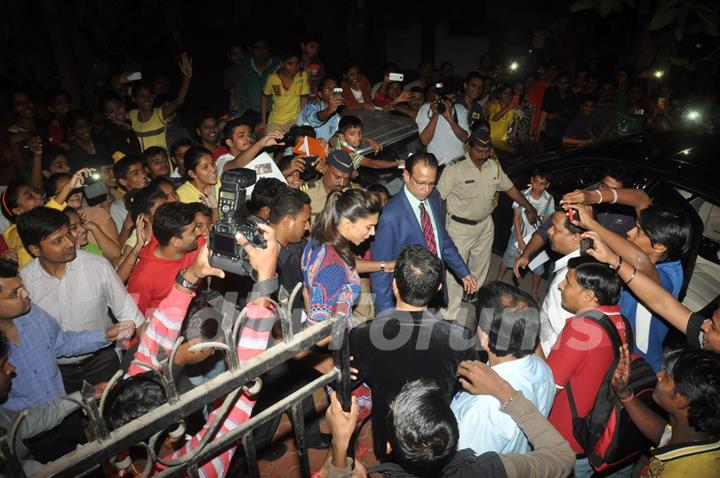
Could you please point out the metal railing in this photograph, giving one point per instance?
(230, 384)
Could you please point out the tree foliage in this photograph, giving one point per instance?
(681, 33)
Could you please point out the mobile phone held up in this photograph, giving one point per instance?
(396, 76)
(585, 244)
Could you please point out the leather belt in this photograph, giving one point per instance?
(80, 362)
(462, 220)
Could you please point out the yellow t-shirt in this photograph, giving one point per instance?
(188, 193)
(149, 133)
(499, 129)
(286, 103)
(12, 238)
(698, 459)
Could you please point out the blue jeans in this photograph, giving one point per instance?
(584, 470)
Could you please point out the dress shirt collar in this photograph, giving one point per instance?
(508, 368)
(563, 261)
(414, 202)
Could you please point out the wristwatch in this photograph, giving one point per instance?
(180, 280)
(382, 266)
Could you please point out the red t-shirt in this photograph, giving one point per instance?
(219, 151)
(55, 132)
(582, 355)
(535, 96)
(153, 277)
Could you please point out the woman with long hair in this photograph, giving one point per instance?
(331, 279)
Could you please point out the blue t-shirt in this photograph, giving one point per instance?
(323, 130)
(650, 330)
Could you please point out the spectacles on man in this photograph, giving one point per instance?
(429, 184)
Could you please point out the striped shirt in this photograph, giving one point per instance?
(80, 299)
(162, 331)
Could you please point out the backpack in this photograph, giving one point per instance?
(607, 434)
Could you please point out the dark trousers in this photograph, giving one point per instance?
(98, 368)
(278, 383)
(62, 439)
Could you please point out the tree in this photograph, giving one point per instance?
(682, 33)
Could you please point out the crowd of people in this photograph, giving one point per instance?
(105, 260)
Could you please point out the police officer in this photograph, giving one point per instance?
(336, 176)
(468, 187)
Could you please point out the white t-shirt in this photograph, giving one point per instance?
(544, 207)
(444, 144)
(222, 161)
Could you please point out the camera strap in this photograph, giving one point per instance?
(263, 288)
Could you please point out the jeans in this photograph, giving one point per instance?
(584, 470)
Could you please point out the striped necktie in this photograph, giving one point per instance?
(427, 229)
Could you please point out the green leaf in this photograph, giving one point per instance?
(710, 22)
(604, 7)
(678, 61)
(663, 17)
(581, 5)
(694, 28)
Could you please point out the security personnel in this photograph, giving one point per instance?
(336, 176)
(468, 187)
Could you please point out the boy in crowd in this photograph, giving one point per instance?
(289, 90)
(544, 204)
(177, 153)
(157, 164)
(311, 63)
(239, 142)
(687, 389)
(324, 114)
(59, 103)
(349, 139)
(209, 135)
(236, 54)
(130, 175)
(54, 160)
(470, 99)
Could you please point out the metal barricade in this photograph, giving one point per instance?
(108, 444)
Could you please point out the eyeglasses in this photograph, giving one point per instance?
(430, 184)
(16, 294)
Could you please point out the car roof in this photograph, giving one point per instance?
(684, 159)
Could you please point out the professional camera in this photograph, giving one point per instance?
(94, 190)
(227, 254)
(440, 91)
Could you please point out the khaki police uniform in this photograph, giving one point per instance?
(318, 196)
(469, 195)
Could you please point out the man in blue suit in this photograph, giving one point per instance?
(415, 216)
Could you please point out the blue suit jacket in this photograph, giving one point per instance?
(397, 228)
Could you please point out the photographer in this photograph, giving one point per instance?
(443, 125)
(140, 393)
